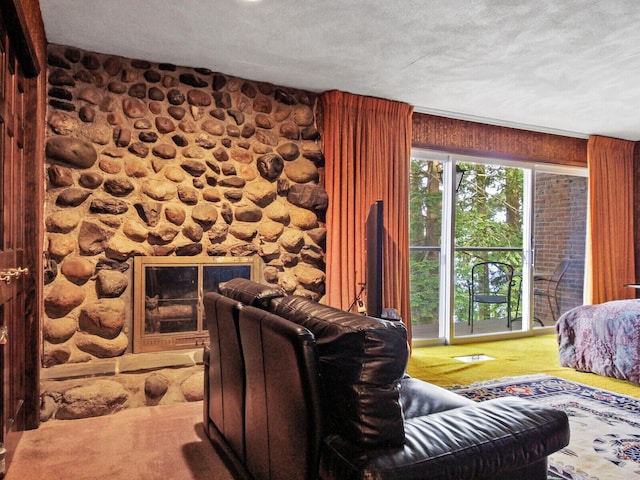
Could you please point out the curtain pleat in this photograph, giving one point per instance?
(367, 148)
(610, 249)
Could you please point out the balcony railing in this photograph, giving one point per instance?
(425, 279)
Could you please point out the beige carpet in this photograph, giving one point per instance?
(162, 442)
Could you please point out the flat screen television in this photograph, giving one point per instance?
(374, 244)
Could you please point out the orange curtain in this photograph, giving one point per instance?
(367, 148)
(611, 260)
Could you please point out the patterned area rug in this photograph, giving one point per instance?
(605, 426)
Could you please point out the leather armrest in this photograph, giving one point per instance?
(419, 398)
(473, 441)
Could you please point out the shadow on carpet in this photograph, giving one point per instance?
(605, 426)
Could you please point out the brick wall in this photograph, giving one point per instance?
(560, 232)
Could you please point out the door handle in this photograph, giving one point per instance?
(13, 274)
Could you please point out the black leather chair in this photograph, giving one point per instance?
(324, 396)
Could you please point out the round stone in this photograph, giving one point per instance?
(290, 131)
(164, 125)
(248, 213)
(303, 219)
(71, 151)
(243, 232)
(92, 238)
(193, 232)
(174, 174)
(204, 214)
(72, 197)
(136, 167)
(288, 151)
(176, 112)
(134, 108)
(192, 388)
(60, 245)
(148, 137)
(104, 317)
(139, 149)
(110, 165)
(198, 98)
(188, 195)
(61, 123)
(159, 190)
(264, 121)
(301, 171)
(117, 87)
(58, 330)
(164, 151)
(63, 221)
(111, 206)
(135, 230)
(155, 386)
(270, 231)
(60, 176)
(175, 97)
(77, 268)
(63, 297)
(118, 186)
(101, 347)
(270, 166)
(278, 212)
(175, 215)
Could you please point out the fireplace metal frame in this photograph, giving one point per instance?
(154, 341)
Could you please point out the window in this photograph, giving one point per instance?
(530, 216)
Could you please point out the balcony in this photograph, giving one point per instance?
(490, 319)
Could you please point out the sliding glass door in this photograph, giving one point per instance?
(489, 250)
(425, 236)
(560, 230)
(517, 224)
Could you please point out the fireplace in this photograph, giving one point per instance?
(168, 312)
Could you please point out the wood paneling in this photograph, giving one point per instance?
(479, 139)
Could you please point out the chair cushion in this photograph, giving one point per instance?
(362, 360)
(249, 292)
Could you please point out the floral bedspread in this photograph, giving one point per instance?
(602, 339)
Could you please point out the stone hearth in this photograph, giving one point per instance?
(106, 386)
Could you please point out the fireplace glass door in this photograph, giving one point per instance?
(168, 292)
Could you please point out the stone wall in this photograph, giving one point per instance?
(162, 160)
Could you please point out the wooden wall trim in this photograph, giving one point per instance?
(22, 18)
(471, 138)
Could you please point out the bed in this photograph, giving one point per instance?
(602, 339)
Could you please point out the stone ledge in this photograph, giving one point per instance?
(128, 363)
(77, 370)
(152, 361)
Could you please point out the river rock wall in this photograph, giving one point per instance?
(158, 159)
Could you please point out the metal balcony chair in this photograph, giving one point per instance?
(546, 285)
(491, 283)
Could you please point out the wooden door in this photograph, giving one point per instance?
(21, 134)
(12, 202)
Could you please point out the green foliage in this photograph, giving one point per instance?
(425, 226)
(488, 214)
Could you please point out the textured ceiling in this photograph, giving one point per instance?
(570, 66)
